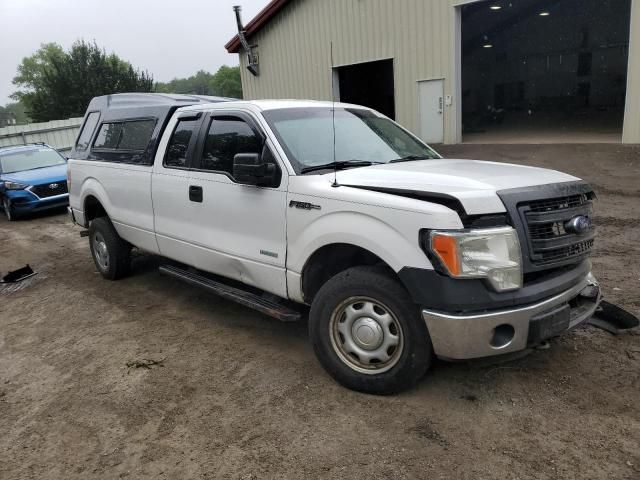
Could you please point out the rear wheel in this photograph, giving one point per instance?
(367, 333)
(111, 254)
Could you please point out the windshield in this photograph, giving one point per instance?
(30, 160)
(307, 137)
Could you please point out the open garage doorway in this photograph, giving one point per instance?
(369, 84)
(544, 71)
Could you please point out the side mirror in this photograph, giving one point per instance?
(249, 169)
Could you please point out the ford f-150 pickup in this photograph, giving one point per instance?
(334, 211)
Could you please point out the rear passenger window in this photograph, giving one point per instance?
(133, 135)
(87, 131)
(178, 147)
(228, 136)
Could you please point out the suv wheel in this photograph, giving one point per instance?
(367, 332)
(8, 210)
(111, 254)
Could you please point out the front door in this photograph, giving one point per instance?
(238, 231)
(431, 98)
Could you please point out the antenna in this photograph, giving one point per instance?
(333, 119)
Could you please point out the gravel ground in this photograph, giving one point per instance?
(149, 378)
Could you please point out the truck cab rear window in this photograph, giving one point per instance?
(133, 135)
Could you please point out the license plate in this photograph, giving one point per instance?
(549, 324)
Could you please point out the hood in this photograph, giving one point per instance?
(474, 183)
(37, 176)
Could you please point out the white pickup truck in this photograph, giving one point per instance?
(297, 207)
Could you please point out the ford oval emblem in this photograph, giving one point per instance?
(54, 186)
(580, 224)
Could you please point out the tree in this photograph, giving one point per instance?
(32, 71)
(18, 111)
(227, 83)
(224, 83)
(56, 84)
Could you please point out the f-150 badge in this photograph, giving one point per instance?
(304, 205)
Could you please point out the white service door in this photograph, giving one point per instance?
(431, 98)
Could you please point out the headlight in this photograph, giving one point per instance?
(14, 185)
(493, 254)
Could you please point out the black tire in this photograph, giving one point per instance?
(8, 210)
(103, 239)
(413, 354)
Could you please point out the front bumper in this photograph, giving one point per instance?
(23, 201)
(459, 337)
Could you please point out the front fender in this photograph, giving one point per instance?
(397, 245)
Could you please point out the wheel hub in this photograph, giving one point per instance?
(101, 251)
(367, 333)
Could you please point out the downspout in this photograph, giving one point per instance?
(252, 56)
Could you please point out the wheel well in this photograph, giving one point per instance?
(330, 260)
(93, 209)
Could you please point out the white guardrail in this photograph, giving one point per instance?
(59, 134)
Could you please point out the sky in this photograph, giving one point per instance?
(169, 39)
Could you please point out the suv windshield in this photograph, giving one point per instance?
(30, 160)
(307, 136)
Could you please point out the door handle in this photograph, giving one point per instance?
(195, 193)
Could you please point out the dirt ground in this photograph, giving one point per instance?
(238, 395)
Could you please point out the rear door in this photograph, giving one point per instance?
(238, 231)
(173, 211)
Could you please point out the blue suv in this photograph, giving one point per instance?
(32, 178)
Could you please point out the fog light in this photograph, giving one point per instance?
(502, 336)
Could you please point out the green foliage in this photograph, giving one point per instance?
(55, 84)
(18, 111)
(31, 75)
(224, 83)
(227, 82)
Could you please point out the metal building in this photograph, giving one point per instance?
(455, 70)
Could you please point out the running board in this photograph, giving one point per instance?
(248, 299)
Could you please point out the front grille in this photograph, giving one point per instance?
(554, 204)
(50, 189)
(572, 251)
(539, 214)
(549, 242)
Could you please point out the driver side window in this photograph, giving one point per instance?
(226, 137)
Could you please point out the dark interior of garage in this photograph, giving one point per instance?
(369, 84)
(550, 71)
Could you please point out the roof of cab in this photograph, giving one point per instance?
(265, 105)
(137, 100)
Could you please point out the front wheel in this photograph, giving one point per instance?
(367, 333)
(111, 254)
(8, 209)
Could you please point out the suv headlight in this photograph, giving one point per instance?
(492, 253)
(14, 185)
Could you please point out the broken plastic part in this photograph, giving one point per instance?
(611, 318)
(18, 275)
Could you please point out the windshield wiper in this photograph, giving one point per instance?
(341, 165)
(410, 158)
